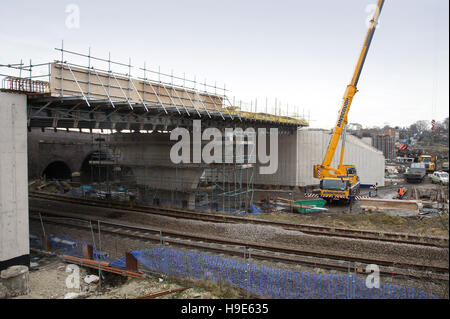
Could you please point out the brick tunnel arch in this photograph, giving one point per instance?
(98, 166)
(57, 170)
(94, 167)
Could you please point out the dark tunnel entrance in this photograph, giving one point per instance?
(57, 170)
(96, 168)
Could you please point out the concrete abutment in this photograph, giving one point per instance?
(14, 230)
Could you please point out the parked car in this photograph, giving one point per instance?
(439, 178)
(415, 174)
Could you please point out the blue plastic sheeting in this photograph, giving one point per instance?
(121, 262)
(66, 245)
(267, 281)
(259, 279)
(255, 210)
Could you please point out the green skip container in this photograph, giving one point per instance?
(317, 202)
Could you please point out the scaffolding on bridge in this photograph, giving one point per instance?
(99, 88)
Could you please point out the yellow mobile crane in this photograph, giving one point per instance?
(343, 182)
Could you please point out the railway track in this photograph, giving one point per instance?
(236, 248)
(398, 238)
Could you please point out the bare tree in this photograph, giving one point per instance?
(422, 126)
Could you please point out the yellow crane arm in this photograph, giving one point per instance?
(348, 96)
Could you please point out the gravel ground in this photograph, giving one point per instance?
(340, 215)
(118, 246)
(48, 281)
(134, 288)
(294, 239)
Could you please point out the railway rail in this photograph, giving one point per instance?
(398, 238)
(238, 248)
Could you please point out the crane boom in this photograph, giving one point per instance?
(343, 182)
(349, 94)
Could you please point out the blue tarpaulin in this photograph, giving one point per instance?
(255, 210)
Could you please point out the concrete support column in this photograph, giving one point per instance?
(159, 180)
(14, 229)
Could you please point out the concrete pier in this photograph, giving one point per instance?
(149, 157)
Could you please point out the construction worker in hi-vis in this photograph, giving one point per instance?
(401, 192)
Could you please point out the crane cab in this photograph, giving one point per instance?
(340, 187)
(351, 173)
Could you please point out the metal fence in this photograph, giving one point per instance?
(257, 279)
(268, 281)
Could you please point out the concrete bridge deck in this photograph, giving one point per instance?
(85, 97)
(45, 110)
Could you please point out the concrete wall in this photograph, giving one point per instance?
(367, 140)
(14, 230)
(298, 153)
(287, 163)
(312, 146)
(47, 147)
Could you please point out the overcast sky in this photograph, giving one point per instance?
(301, 52)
